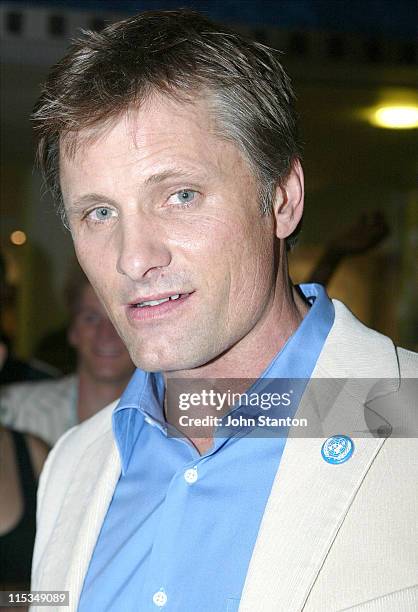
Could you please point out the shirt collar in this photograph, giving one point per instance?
(143, 398)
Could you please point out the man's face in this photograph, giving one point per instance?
(159, 207)
(100, 351)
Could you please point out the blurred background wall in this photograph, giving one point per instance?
(346, 57)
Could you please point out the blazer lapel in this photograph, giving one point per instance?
(307, 505)
(82, 516)
(310, 497)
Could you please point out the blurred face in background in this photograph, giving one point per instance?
(100, 352)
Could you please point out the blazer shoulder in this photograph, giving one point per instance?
(75, 441)
(348, 331)
(353, 350)
(69, 477)
(408, 363)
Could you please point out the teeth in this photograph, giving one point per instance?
(153, 302)
(156, 302)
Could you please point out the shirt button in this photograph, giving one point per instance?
(190, 475)
(160, 599)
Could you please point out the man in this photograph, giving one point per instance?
(48, 408)
(180, 181)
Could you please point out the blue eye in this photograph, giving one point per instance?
(103, 213)
(185, 196)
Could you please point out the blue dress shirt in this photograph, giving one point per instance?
(181, 527)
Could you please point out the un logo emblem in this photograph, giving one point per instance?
(337, 449)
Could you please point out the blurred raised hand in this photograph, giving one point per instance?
(369, 230)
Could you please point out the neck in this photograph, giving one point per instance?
(93, 394)
(248, 358)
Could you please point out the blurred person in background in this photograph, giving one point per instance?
(21, 460)
(13, 369)
(48, 408)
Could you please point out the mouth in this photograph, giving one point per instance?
(156, 306)
(152, 302)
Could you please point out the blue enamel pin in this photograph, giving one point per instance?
(337, 449)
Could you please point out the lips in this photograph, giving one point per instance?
(155, 300)
(156, 306)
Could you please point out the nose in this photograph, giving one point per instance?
(142, 248)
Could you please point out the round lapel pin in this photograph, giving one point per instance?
(337, 449)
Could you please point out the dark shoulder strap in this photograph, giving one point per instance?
(26, 471)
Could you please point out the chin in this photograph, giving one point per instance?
(160, 361)
(157, 365)
(180, 361)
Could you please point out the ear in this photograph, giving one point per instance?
(288, 205)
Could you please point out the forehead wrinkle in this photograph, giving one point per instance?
(190, 109)
(169, 174)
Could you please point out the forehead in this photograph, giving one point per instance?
(160, 131)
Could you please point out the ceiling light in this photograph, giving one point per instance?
(395, 117)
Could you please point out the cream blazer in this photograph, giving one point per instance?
(332, 538)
